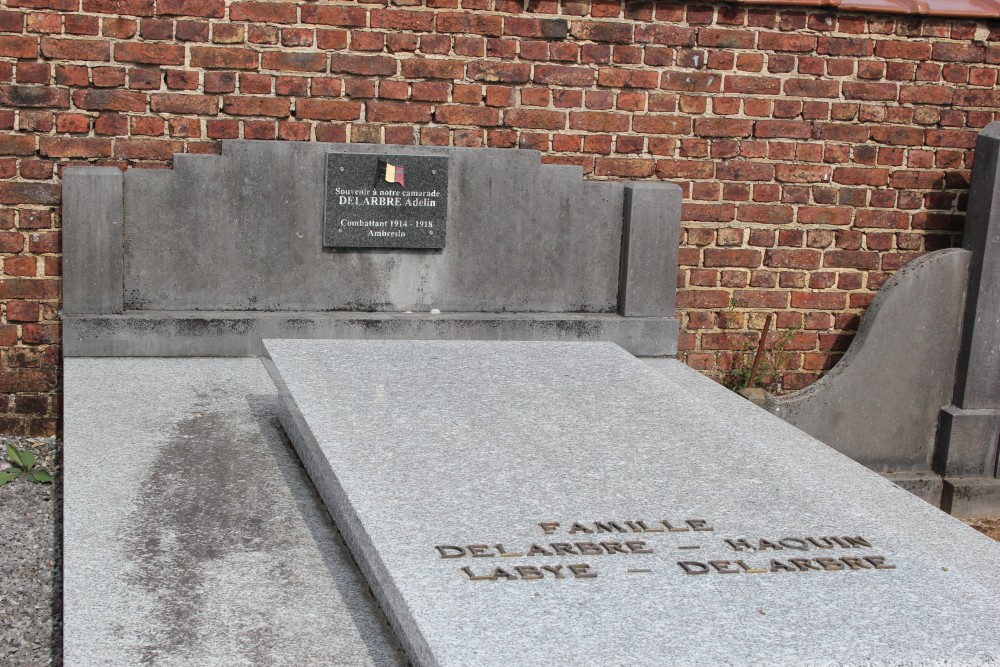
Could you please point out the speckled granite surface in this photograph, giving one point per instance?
(811, 560)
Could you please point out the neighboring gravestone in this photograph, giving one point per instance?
(562, 503)
(385, 201)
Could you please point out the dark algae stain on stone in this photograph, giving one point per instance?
(197, 506)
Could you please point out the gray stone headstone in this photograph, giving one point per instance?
(564, 503)
(385, 201)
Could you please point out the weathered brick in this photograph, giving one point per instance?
(428, 68)
(263, 12)
(564, 75)
(317, 109)
(294, 61)
(363, 65)
(485, 70)
(34, 96)
(722, 127)
(535, 119)
(252, 105)
(224, 57)
(535, 27)
(17, 46)
(205, 105)
(602, 31)
(599, 121)
(109, 100)
(460, 114)
(470, 23)
(149, 54)
(397, 112)
(346, 16)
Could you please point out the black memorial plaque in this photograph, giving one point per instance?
(385, 201)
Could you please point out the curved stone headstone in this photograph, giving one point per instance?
(880, 403)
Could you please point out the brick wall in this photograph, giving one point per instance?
(818, 151)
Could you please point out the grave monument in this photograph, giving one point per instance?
(516, 468)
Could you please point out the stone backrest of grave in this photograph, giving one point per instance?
(210, 256)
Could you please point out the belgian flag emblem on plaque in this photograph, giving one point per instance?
(392, 173)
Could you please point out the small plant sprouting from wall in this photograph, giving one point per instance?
(771, 368)
(23, 463)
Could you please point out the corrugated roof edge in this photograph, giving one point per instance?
(976, 9)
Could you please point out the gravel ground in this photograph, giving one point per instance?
(30, 576)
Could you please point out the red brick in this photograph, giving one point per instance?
(861, 176)
(16, 46)
(870, 91)
(17, 144)
(793, 259)
(535, 27)
(74, 147)
(21, 311)
(760, 299)
(790, 129)
(564, 75)
(752, 85)
(598, 121)
(222, 57)
(397, 112)
(117, 7)
(314, 109)
(470, 23)
(819, 300)
(601, 31)
(749, 259)
(205, 105)
(958, 53)
(150, 54)
(110, 100)
(34, 96)
(702, 299)
(458, 114)
(661, 124)
(485, 70)
(248, 105)
(363, 65)
(427, 68)
(263, 12)
(332, 15)
(722, 127)
(777, 41)
(726, 39)
(294, 61)
(739, 170)
(535, 119)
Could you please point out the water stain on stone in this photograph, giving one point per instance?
(197, 506)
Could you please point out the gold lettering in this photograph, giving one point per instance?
(536, 550)
(879, 563)
(549, 526)
(582, 571)
(638, 547)
(589, 549)
(554, 569)
(722, 567)
(528, 572)
(479, 550)
(456, 552)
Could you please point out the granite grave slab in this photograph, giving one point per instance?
(192, 536)
(565, 503)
